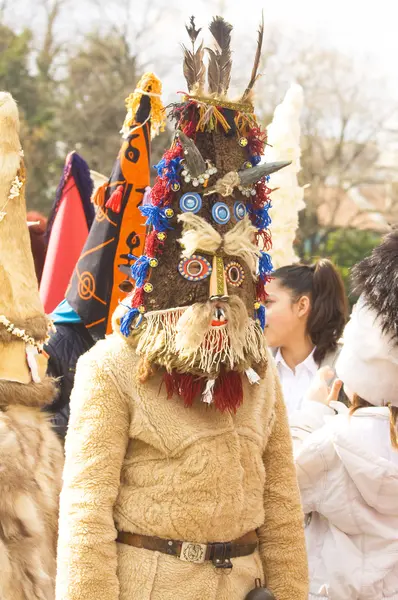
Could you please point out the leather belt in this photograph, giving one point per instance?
(219, 554)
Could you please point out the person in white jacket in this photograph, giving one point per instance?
(347, 459)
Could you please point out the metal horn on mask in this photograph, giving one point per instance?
(194, 161)
(224, 186)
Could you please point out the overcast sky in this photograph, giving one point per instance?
(363, 29)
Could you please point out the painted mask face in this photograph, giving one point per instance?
(196, 309)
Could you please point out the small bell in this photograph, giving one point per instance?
(260, 593)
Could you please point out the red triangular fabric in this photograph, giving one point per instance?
(68, 235)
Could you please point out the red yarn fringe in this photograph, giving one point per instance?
(261, 293)
(257, 138)
(115, 200)
(228, 391)
(265, 236)
(189, 129)
(138, 298)
(186, 386)
(151, 244)
(160, 193)
(262, 195)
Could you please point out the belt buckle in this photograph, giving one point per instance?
(194, 553)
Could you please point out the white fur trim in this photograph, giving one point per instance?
(368, 362)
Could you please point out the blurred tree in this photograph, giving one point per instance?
(26, 72)
(100, 75)
(346, 247)
(342, 121)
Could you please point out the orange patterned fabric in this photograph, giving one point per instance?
(104, 262)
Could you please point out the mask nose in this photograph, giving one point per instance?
(218, 283)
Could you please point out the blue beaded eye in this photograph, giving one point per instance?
(194, 268)
(239, 211)
(191, 202)
(221, 213)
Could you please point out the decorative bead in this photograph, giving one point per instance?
(187, 179)
(257, 305)
(191, 202)
(161, 236)
(153, 262)
(201, 180)
(206, 176)
(248, 165)
(253, 192)
(195, 183)
(243, 142)
(184, 173)
(239, 210)
(148, 288)
(169, 212)
(185, 152)
(175, 187)
(221, 213)
(141, 309)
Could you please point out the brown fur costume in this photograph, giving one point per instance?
(30, 454)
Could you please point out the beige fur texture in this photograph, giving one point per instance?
(31, 461)
(138, 462)
(19, 297)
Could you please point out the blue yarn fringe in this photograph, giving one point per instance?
(126, 321)
(139, 270)
(264, 265)
(260, 216)
(260, 316)
(169, 169)
(156, 217)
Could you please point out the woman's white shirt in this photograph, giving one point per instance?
(295, 383)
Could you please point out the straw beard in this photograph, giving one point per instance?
(183, 339)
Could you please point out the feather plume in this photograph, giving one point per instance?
(220, 64)
(194, 67)
(254, 75)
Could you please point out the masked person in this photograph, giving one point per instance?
(179, 478)
(31, 457)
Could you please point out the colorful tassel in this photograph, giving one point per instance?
(139, 271)
(115, 200)
(126, 321)
(98, 197)
(156, 217)
(260, 316)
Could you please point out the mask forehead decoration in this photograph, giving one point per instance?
(197, 306)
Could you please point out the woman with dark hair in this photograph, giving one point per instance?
(306, 314)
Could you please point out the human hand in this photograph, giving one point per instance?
(320, 389)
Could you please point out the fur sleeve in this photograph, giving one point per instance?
(95, 448)
(282, 544)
